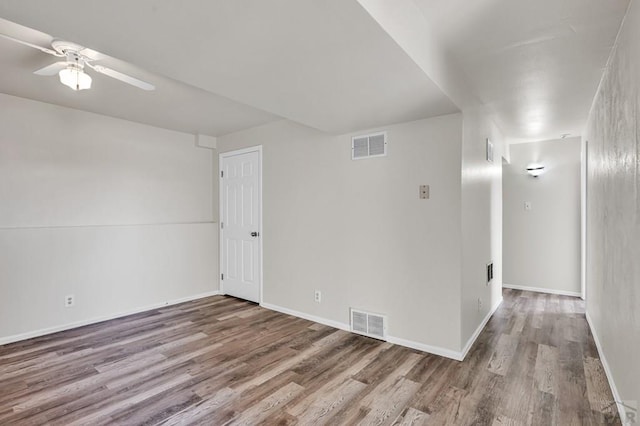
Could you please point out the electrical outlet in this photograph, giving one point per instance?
(69, 301)
(424, 192)
(479, 303)
(317, 296)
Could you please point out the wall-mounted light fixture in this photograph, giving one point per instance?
(535, 170)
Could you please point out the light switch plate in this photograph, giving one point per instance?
(424, 192)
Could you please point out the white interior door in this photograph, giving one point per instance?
(240, 220)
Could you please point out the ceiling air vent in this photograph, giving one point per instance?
(368, 324)
(368, 146)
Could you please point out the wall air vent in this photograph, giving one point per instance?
(368, 324)
(368, 146)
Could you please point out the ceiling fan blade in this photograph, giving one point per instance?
(123, 77)
(92, 54)
(52, 69)
(35, 46)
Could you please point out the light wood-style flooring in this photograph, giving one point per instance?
(221, 360)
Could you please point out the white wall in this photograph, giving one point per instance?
(481, 220)
(357, 231)
(613, 212)
(481, 199)
(542, 245)
(481, 214)
(117, 213)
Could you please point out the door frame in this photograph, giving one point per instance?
(221, 157)
(584, 187)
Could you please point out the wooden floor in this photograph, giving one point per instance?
(221, 360)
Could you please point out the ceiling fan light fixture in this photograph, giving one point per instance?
(75, 78)
(71, 71)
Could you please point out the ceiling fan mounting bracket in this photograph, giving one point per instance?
(66, 47)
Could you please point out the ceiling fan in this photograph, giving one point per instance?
(71, 71)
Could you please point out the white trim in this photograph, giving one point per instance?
(261, 239)
(220, 224)
(435, 350)
(241, 151)
(542, 290)
(476, 333)
(607, 370)
(584, 163)
(447, 353)
(324, 321)
(69, 326)
(221, 156)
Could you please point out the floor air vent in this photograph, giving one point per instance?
(368, 324)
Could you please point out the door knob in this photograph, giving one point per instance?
(255, 234)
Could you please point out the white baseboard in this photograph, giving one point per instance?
(343, 326)
(476, 333)
(69, 326)
(324, 321)
(435, 350)
(607, 370)
(543, 290)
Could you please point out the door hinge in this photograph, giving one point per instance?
(222, 276)
(221, 225)
(222, 173)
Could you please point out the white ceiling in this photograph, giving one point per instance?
(325, 64)
(230, 64)
(535, 64)
(173, 105)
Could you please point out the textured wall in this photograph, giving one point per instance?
(542, 245)
(613, 211)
